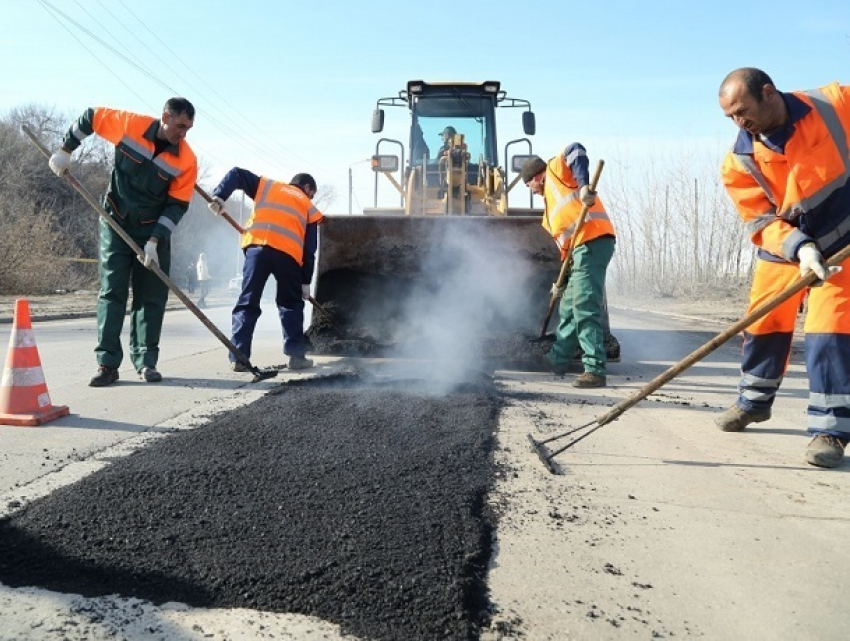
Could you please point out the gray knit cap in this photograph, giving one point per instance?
(532, 167)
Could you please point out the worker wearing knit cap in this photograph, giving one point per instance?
(564, 183)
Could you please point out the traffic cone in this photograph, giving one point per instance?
(23, 391)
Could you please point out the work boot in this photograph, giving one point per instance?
(735, 419)
(300, 362)
(105, 376)
(826, 451)
(589, 379)
(150, 375)
(236, 366)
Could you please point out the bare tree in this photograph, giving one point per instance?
(325, 197)
(678, 232)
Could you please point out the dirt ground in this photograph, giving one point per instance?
(77, 304)
(718, 308)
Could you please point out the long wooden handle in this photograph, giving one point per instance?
(697, 355)
(238, 228)
(91, 200)
(700, 353)
(224, 214)
(565, 266)
(579, 224)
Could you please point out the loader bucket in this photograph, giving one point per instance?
(442, 287)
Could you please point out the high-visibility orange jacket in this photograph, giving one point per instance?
(565, 175)
(145, 188)
(790, 187)
(280, 218)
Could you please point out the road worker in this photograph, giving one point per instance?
(564, 183)
(787, 175)
(149, 191)
(204, 279)
(280, 240)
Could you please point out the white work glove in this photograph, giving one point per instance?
(586, 196)
(557, 292)
(150, 254)
(811, 260)
(60, 162)
(305, 292)
(216, 205)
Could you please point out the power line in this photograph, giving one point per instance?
(212, 89)
(230, 130)
(50, 9)
(258, 145)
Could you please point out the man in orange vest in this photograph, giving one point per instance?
(149, 191)
(787, 175)
(280, 240)
(564, 183)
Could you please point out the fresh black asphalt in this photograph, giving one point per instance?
(358, 500)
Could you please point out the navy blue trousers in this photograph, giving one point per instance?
(260, 263)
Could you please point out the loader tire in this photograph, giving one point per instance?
(612, 349)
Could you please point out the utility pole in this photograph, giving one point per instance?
(351, 184)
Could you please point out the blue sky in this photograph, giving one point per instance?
(282, 87)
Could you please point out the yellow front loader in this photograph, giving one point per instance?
(452, 271)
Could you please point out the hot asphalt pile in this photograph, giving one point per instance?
(339, 334)
(357, 500)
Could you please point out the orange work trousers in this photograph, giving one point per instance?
(767, 346)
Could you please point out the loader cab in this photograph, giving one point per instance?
(470, 153)
(468, 112)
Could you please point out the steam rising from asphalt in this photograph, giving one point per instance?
(481, 285)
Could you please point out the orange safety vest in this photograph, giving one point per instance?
(155, 179)
(280, 218)
(563, 208)
(774, 192)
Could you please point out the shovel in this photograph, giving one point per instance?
(566, 266)
(259, 374)
(620, 408)
(241, 230)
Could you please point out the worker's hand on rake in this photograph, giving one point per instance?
(557, 291)
(216, 205)
(305, 292)
(60, 162)
(811, 260)
(150, 254)
(586, 196)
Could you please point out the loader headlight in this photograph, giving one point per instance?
(385, 164)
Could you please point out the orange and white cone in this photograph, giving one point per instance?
(24, 399)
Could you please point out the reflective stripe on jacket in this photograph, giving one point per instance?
(563, 207)
(798, 193)
(145, 187)
(280, 218)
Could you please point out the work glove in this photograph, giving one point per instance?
(150, 254)
(811, 260)
(586, 196)
(60, 162)
(216, 205)
(557, 292)
(305, 292)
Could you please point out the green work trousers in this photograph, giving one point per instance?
(119, 269)
(580, 309)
